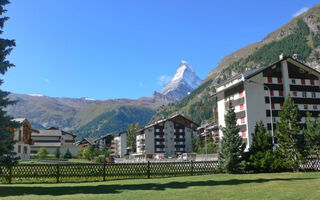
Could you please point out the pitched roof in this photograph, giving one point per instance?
(174, 117)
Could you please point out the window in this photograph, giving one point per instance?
(25, 150)
(313, 94)
(19, 149)
(293, 81)
(243, 134)
(279, 80)
(315, 107)
(269, 79)
(271, 92)
(294, 94)
(157, 130)
(241, 107)
(280, 93)
(303, 82)
(20, 139)
(304, 94)
(240, 94)
(311, 82)
(272, 106)
(305, 106)
(242, 120)
(274, 120)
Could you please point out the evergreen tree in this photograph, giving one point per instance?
(289, 140)
(199, 145)
(312, 136)
(131, 136)
(261, 153)
(67, 155)
(193, 143)
(6, 142)
(57, 153)
(232, 148)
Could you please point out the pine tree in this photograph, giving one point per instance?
(261, 153)
(57, 153)
(289, 140)
(131, 136)
(312, 136)
(193, 143)
(67, 155)
(232, 148)
(7, 156)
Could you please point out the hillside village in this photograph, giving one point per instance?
(256, 95)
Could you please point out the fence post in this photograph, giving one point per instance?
(10, 174)
(191, 162)
(148, 169)
(58, 173)
(104, 171)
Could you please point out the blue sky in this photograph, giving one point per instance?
(106, 49)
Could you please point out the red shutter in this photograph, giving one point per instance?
(272, 106)
(241, 107)
(311, 82)
(243, 134)
(303, 82)
(269, 79)
(280, 93)
(271, 92)
(281, 105)
(242, 120)
(279, 80)
(240, 94)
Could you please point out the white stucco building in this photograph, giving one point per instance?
(249, 94)
(119, 145)
(168, 137)
(53, 138)
(22, 138)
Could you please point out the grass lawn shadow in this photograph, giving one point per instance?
(62, 189)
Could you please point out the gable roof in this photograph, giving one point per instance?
(178, 117)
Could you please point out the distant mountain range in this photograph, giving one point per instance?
(92, 118)
(299, 36)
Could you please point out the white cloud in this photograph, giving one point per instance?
(164, 79)
(46, 80)
(141, 84)
(299, 12)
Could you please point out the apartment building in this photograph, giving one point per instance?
(119, 145)
(168, 137)
(259, 94)
(103, 141)
(53, 138)
(22, 138)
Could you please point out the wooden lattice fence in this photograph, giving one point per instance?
(117, 170)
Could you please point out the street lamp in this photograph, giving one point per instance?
(271, 120)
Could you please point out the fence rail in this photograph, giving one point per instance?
(114, 170)
(59, 171)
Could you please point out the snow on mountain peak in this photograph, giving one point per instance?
(36, 95)
(186, 76)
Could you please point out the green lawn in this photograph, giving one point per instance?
(216, 186)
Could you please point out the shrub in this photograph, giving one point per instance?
(101, 159)
(42, 153)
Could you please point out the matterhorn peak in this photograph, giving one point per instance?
(184, 81)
